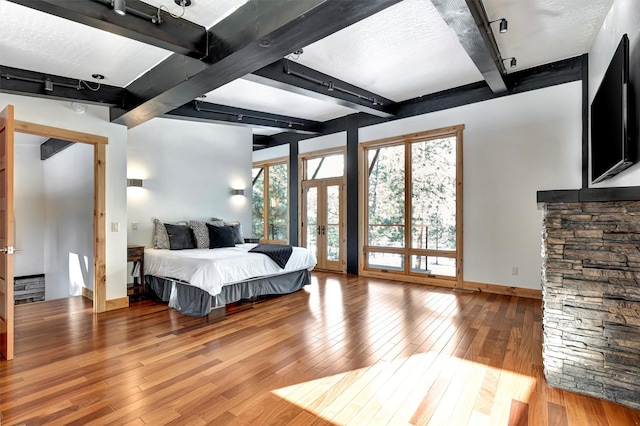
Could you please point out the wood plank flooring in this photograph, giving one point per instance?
(345, 350)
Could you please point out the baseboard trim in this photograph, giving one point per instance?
(529, 293)
(120, 303)
(87, 293)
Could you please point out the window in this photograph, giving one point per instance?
(270, 212)
(411, 220)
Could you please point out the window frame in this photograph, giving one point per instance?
(265, 165)
(408, 251)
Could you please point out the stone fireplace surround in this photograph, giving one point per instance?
(591, 292)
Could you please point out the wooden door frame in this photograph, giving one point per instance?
(99, 199)
(322, 206)
(302, 158)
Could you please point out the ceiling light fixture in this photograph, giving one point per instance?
(119, 7)
(513, 62)
(504, 25)
(330, 85)
(49, 84)
(240, 117)
(78, 107)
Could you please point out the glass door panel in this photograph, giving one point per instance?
(311, 223)
(333, 240)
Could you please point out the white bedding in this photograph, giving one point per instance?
(211, 269)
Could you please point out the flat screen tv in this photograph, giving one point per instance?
(613, 141)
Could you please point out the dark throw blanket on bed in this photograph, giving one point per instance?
(276, 252)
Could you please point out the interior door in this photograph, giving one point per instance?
(6, 232)
(322, 227)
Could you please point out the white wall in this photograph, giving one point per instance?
(29, 210)
(271, 153)
(513, 147)
(94, 121)
(323, 142)
(623, 18)
(68, 182)
(188, 169)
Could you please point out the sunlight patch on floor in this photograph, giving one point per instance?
(425, 386)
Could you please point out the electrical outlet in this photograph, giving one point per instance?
(134, 226)
(514, 270)
(115, 226)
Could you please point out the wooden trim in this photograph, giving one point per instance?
(99, 229)
(414, 137)
(530, 293)
(459, 208)
(272, 162)
(403, 277)
(362, 208)
(54, 132)
(87, 293)
(323, 153)
(113, 304)
(99, 199)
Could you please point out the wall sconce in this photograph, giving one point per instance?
(134, 183)
(504, 25)
(237, 192)
(512, 62)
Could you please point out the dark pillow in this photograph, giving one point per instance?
(220, 236)
(237, 231)
(180, 237)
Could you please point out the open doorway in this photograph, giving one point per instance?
(99, 226)
(53, 209)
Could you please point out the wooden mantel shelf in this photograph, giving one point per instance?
(626, 193)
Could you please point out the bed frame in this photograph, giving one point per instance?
(196, 302)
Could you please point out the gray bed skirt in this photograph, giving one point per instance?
(195, 302)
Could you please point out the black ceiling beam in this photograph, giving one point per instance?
(294, 77)
(560, 72)
(214, 113)
(176, 35)
(258, 33)
(52, 146)
(468, 21)
(30, 83)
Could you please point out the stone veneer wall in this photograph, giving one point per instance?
(591, 299)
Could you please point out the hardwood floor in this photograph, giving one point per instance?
(345, 350)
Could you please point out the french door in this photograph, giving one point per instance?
(323, 230)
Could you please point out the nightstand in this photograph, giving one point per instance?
(138, 288)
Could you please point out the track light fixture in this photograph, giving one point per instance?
(119, 7)
(504, 25)
(512, 62)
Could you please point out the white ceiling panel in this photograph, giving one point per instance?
(544, 31)
(400, 53)
(37, 41)
(202, 12)
(249, 95)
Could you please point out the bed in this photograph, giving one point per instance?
(196, 282)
